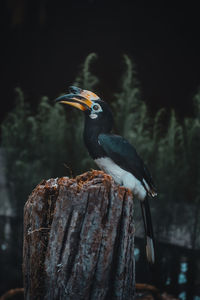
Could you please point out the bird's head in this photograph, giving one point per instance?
(96, 110)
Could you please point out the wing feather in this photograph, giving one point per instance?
(125, 155)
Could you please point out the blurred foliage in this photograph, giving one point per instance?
(29, 141)
(131, 115)
(49, 143)
(44, 144)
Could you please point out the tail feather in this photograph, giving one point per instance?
(146, 215)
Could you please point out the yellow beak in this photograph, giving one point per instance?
(81, 99)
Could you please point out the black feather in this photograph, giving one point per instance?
(150, 245)
(125, 155)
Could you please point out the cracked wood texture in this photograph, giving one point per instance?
(79, 240)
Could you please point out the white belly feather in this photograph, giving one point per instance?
(121, 176)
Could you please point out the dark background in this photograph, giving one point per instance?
(43, 44)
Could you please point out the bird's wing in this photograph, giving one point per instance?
(125, 155)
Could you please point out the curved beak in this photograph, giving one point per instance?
(81, 99)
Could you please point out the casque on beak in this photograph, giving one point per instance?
(81, 99)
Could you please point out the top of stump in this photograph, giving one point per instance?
(81, 182)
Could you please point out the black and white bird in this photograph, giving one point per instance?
(114, 154)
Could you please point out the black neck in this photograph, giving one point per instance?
(91, 132)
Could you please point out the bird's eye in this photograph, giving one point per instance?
(96, 107)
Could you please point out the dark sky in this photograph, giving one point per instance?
(44, 43)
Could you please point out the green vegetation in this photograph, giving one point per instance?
(48, 143)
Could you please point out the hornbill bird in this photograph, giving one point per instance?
(114, 154)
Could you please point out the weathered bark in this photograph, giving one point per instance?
(79, 240)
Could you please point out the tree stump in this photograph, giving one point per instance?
(79, 240)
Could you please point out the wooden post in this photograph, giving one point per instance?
(79, 240)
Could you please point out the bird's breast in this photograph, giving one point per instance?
(121, 176)
(108, 166)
